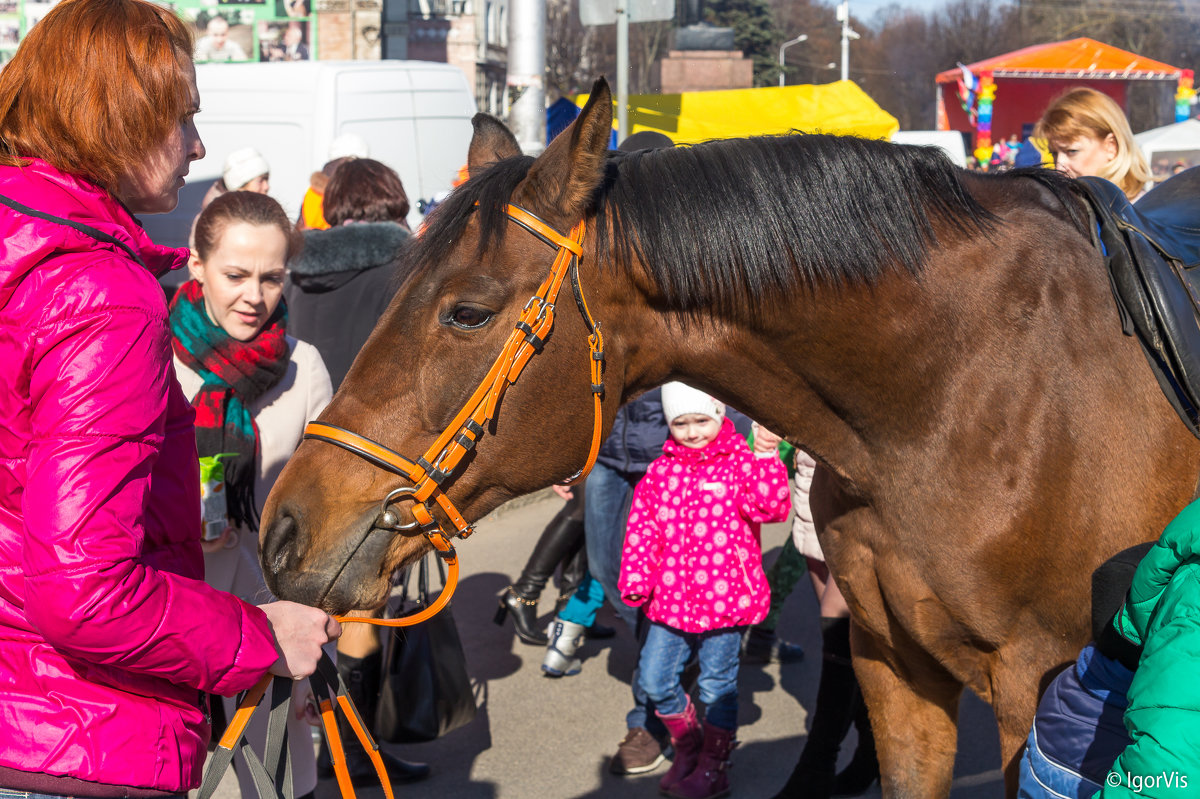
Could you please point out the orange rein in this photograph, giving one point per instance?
(330, 699)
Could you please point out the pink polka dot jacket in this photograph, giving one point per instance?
(693, 551)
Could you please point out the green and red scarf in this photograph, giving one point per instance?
(235, 374)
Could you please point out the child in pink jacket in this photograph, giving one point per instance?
(693, 558)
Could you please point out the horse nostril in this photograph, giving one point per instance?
(282, 546)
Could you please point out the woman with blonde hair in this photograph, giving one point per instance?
(109, 636)
(1090, 136)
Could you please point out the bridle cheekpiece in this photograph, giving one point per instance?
(441, 460)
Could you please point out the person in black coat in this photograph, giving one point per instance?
(336, 290)
(340, 284)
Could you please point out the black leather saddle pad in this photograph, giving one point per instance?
(1152, 249)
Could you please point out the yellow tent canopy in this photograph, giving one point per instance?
(692, 117)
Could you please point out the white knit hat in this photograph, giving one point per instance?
(349, 145)
(243, 166)
(679, 399)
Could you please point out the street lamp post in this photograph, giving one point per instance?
(801, 38)
(843, 16)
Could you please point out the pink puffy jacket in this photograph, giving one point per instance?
(693, 542)
(108, 633)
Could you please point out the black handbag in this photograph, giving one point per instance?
(424, 689)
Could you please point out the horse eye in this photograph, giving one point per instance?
(468, 317)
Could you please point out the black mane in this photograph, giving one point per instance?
(721, 225)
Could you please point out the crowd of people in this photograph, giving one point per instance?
(120, 625)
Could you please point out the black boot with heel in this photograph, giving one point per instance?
(362, 677)
(814, 775)
(562, 537)
(863, 770)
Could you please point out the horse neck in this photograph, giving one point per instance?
(849, 372)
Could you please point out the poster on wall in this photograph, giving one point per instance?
(10, 29)
(227, 31)
(249, 30)
(284, 41)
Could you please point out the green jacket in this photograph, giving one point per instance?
(1162, 614)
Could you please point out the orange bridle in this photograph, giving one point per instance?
(440, 462)
(428, 474)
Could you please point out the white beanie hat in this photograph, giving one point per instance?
(349, 145)
(679, 399)
(243, 166)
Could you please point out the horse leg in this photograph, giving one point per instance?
(1015, 694)
(913, 706)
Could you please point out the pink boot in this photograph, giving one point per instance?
(709, 779)
(686, 739)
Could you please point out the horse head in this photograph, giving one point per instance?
(338, 523)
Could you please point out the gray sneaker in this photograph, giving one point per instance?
(639, 753)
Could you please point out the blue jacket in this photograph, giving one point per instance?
(1078, 731)
(1162, 614)
(637, 435)
(639, 432)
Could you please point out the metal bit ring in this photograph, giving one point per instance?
(388, 519)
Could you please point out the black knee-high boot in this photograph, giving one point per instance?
(863, 769)
(574, 566)
(837, 693)
(361, 676)
(562, 535)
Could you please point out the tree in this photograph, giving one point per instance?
(896, 66)
(754, 33)
(647, 44)
(807, 62)
(575, 54)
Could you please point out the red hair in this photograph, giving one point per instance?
(95, 86)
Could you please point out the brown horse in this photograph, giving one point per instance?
(945, 344)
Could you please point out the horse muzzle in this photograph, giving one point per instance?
(354, 574)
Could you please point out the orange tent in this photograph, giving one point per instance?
(1027, 80)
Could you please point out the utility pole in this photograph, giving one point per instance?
(623, 12)
(622, 69)
(527, 74)
(843, 16)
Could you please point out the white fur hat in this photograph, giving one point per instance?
(679, 399)
(243, 166)
(349, 145)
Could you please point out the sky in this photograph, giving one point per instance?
(867, 8)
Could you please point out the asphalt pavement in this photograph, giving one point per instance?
(540, 737)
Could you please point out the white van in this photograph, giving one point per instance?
(414, 115)
(951, 141)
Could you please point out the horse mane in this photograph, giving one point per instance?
(722, 225)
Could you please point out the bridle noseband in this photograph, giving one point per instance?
(441, 461)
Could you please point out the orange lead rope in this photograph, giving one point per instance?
(331, 695)
(427, 613)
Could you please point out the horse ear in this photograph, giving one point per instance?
(564, 177)
(492, 142)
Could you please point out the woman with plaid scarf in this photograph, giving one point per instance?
(253, 388)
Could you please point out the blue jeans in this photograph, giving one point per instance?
(664, 656)
(605, 512)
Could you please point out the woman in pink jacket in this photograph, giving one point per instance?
(108, 634)
(693, 557)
